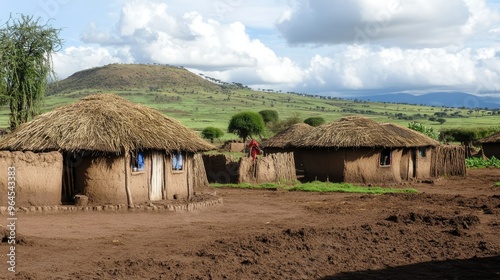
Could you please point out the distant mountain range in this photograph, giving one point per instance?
(446, 99)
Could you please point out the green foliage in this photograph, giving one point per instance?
(318, 186)
(497, 184)
(477, 162)
(429, 131)
(246, 124)
(26, 48)
(314, 121)
(212, 133)
(467, 136)
(269, 116)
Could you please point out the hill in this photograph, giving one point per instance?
(446, 99)
(130, 77)
(197, 102)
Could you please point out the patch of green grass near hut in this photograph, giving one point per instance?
(316, 186)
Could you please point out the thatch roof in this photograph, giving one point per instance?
(283, 138)
(355, 132)
(103, 123)
(413, 137)
(495, 138)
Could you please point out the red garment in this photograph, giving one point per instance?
(254, 148)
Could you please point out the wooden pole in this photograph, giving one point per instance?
(127, 187)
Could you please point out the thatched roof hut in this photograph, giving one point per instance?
(113, 152)
(103, 123)
(283, 138)
(356, 132)
(491, 145)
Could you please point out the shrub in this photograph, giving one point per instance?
(211, 133)
(314, 121)
(246, 124)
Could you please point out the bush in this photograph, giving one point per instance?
(211, 133)
(314, 121)
(482, 163)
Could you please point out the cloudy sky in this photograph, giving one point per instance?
(330, 47)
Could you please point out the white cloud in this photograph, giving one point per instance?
(150, 31)
(366, 68)
(74, 59)
(423, 23)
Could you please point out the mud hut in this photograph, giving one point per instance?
(115, 151)
(280, 143)
(491, 145)
(360, 150)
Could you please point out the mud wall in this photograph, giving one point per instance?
(221, 168)
(176, 181)
(324, 165)
(199, 175)
(267, 169)
(102, 179)
(424, 163)
(38, 178)
(363, 166)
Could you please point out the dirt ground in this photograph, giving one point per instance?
(450, 230)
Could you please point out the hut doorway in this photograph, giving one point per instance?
(157, 176)
(70, 162)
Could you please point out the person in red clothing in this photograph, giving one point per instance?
(254, 148)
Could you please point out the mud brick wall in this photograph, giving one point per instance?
(271, 168)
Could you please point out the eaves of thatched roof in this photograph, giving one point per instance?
(103, 123)
(283, 138)
(356, 132)
(495, 138)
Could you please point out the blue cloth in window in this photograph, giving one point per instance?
(140, 161)
(177, 161)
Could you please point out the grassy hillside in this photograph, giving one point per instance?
(128, 77)
(198, 103)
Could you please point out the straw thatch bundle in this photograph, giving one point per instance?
(283, 138)
(103, 123)
(495, 138)
(355, 132)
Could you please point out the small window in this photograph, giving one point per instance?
(422, 152)
(138, 161)
(177, 161)
(386, 157)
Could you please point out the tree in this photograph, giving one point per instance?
(246, 124)
(212, 133)
(26, 48)
(314, 121)
(269, 116)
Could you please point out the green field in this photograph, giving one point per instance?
(206, 104)
(201, 109)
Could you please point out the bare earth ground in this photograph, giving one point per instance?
(451, 230)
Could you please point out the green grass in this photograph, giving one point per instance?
(316, 186)
(186, 99)
(497, 184)
(269, 186)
